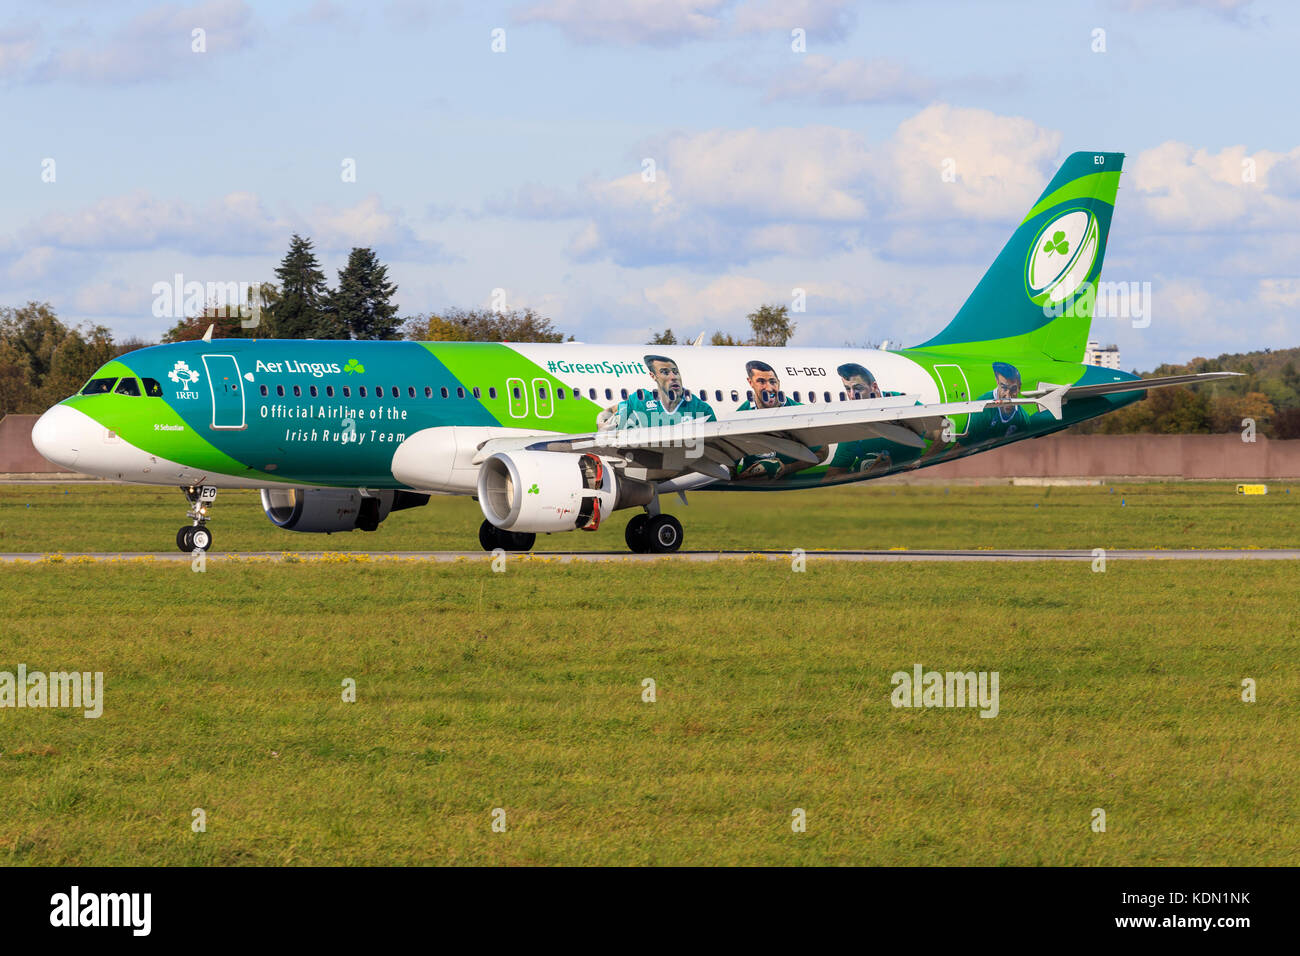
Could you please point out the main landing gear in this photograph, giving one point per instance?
(491, 537)
(196, 536)
(653, 534)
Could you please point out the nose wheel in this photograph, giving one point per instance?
(197, 536)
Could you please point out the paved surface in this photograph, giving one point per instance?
(1290, 554)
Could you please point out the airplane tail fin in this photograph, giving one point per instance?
(1041, 288)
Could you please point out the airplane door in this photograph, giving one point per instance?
(227, 390)
(953, 381)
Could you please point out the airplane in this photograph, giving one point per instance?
(550, 438)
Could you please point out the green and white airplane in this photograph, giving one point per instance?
(549, 438)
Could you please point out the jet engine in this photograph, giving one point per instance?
(327, 510)
(547, 491)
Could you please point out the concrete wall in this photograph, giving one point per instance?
(1056, 456)
(17, 454)
(1085, 456)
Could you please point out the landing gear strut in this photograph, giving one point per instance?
(491, 537)
(653, 534)
(196, 536)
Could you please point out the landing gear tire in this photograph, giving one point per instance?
(663, 534)
(635, 534)
(200, 538)
(183, 538)
(490, 537)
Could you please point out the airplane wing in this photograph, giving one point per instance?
(1132, 385)
(712, 448)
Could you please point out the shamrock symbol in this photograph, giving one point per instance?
(354, 366)
(533, 490)
(1058, 243)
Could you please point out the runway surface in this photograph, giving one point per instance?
(1288, 554)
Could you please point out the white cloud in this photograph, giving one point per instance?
(732, 196)
(156, 43)
(822, 19)
(236, 224)
(1181, 187)
(831, 82)
(628, 22)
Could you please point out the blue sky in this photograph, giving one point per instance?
(774, 169)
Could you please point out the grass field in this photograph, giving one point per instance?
(523, 690)
(104, 517)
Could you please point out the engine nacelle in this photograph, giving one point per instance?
(327, 510)
(547, 491)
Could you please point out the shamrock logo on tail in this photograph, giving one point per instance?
(354, 366)
(533, 490)
(1058, 243)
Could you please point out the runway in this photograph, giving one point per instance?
(565, 557)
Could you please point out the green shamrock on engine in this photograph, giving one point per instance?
(354, 366)
(1058, 243)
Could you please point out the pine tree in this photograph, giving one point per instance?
(362, 302)
(301, 310)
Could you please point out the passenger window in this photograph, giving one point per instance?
(265, 391)
(623, 393)
(492, 392)
(460, 393)
(329, 391)
(717, 396)
(154, 390)
(827, 396)
(609, 394)
(812, 397)
(592, 393)
(297, 391)
(444, 391)
(515, 392)
(477, 393)
(749, 395)
(128, 386)
(735, 396)
(541, 392)
(841, 396)
(362, 391)
(796, 396)
(279, 391)
(312, 390)
(428, 392)
(780, 397)
(559, 393)
(410, 391)
(347, 391)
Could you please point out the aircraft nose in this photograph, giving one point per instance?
(61, 434)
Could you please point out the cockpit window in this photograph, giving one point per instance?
(152, 388)
(99, 386)
(127, 386)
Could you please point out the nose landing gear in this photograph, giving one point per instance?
(196, 536)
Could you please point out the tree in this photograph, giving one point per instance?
(771, 325)
(665, 337)
(362, 302)
(482, 325)
(43, 361)
(724, 338)
(302, 310)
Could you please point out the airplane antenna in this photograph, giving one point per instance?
(207, 336)
(699, 340)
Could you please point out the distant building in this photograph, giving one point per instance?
(1107, 356)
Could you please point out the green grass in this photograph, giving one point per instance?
(103, 517)
(523, 690)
